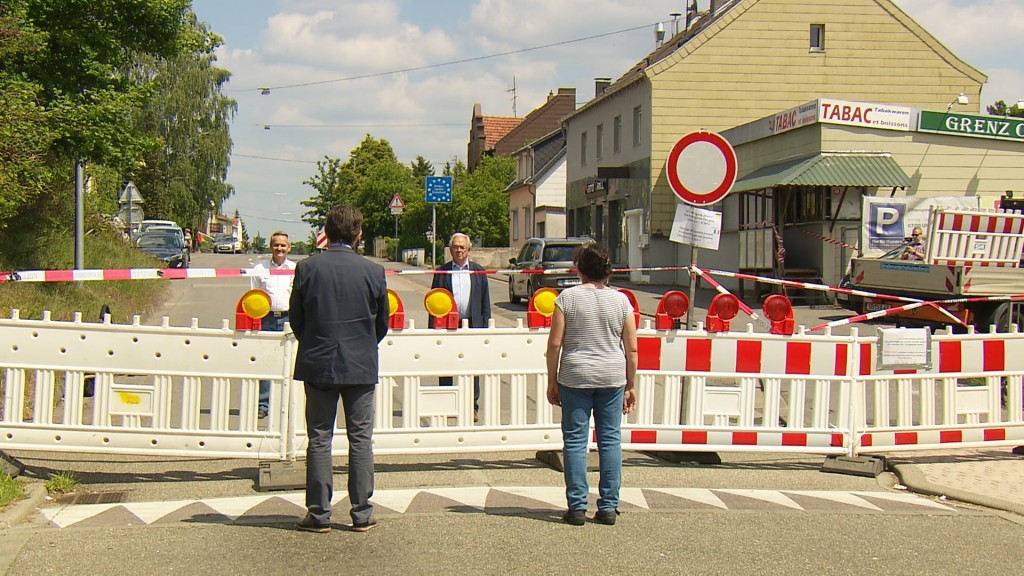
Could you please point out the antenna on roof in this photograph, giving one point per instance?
(513, 91)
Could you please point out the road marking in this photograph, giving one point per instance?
(396, 502)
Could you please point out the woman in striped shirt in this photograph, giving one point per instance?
(591, 360)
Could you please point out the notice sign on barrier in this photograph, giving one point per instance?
(904, 348)
(697, 227)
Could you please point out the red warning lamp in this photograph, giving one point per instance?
(440, 304)
(540, 308)
(724, 307)
(779, 311)
(396, 311)
(671, 309)
(636, 305)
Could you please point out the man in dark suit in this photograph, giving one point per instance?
(471, 293)
(339, 313)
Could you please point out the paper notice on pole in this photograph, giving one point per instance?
(697, 227)
(904, 348)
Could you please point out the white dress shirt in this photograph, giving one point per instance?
(460, 288)
(279, 286)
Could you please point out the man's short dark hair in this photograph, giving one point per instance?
(344, 222)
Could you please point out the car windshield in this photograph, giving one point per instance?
(559, 252)
(159, 241)
(224, 238)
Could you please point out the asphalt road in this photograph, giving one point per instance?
(446, 538)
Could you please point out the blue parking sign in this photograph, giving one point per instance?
(439, 189)
(883, 224)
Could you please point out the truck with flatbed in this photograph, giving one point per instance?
(971, 269)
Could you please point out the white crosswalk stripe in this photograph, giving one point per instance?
(396, 502)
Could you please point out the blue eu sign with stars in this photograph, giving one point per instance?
(439, 189)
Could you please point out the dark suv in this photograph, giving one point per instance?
(543, 254)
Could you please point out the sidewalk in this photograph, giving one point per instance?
(989, 477)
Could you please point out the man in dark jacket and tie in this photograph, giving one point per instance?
(339, 313)
(468, 285)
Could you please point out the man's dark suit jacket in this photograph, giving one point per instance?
(339, 313)
(479, 295)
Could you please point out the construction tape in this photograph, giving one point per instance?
(829, 240)
(88, 275)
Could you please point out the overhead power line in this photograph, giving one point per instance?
(236, 155)
(372, 125)
(266, 89)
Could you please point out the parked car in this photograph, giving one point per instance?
(227, 244)
(543, 254)
(165, 244)
(147, 224)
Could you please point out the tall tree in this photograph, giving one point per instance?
(82, 69)
(329, 191)
(421, 168)
(189, 117)
(479, 205)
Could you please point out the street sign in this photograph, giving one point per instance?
(396, 202)
(701, 168)
(439, 189)
(697, 227)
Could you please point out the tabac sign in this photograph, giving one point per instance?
(995, 127)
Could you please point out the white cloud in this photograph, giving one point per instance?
(307, 41)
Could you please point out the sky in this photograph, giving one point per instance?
(410, 71)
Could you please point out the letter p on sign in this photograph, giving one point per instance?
(886, 219)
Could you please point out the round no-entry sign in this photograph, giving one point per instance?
(701, 168)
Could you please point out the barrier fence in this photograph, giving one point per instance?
(190, 391)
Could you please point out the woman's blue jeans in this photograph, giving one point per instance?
(606, 406)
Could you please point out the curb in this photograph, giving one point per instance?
(914, 480)
(20, 509)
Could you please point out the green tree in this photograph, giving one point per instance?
(329, 191)
(999, 108)
(188, 117)
(479, 205)
(421, 168)
(83, 69)
(384, 180)
(357, 182)
(259, 244)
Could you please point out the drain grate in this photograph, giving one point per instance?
(112, 497)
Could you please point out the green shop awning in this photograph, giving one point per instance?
(868, 169)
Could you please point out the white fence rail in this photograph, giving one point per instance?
(193, 391)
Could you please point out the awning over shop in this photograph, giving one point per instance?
(868, 169)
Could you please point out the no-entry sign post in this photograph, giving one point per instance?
(701, 170)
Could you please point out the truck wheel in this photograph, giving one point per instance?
(1000, 317)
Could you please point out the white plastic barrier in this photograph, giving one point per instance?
(193, 391)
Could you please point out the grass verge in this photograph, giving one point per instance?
(10, 490)
(62, 483)
(102, 250)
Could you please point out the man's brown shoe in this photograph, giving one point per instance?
(364, 526)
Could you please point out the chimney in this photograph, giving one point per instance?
(659, 35)
(600, 85)
(675, 23)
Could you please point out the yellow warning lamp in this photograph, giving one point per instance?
(440, 304)
(396, 311)
(541, 307)
(251, 308)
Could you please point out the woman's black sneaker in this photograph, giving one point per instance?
(606, 517)
(575, 517)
